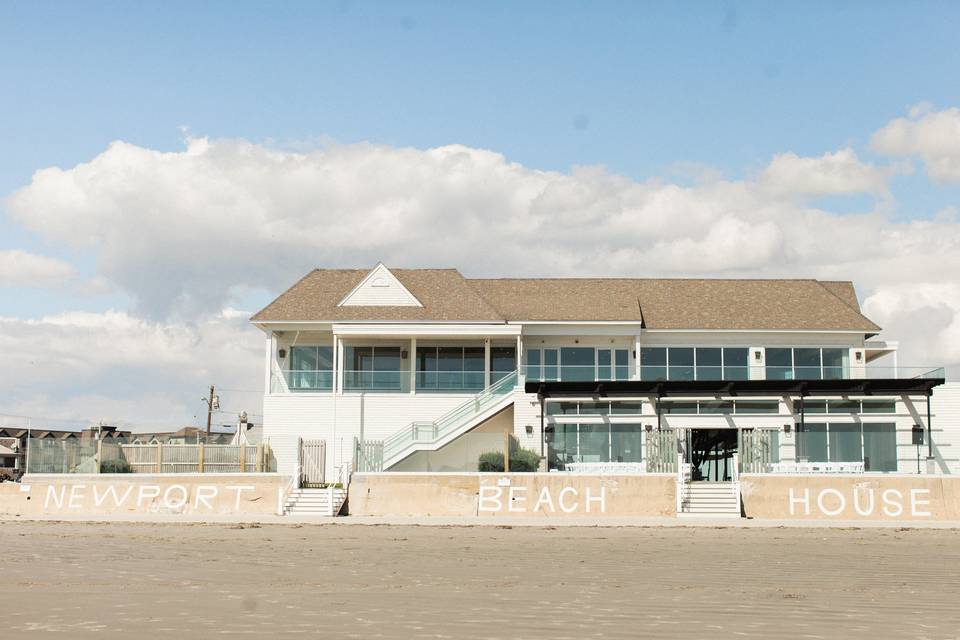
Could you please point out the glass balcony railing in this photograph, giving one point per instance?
(377, 381)
(301, 381)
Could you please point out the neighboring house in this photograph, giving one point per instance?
(593, 374)
(17, 438)
(219, 434)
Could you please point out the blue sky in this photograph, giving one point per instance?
(663, 92)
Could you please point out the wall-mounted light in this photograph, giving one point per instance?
(529, 429)
(282, 353)
(859, 355)
(757, 356)
(787, 428)
(404, 354)
(648, 427)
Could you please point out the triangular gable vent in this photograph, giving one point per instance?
(380, 288)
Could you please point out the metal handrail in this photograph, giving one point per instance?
(440, 426)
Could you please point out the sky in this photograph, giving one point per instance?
(167, 168)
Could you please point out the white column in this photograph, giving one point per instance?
(340, 364)
(413, 365)
(636, 358)
(520, 377)
(268, 368)
(486, 363)
(336, 366)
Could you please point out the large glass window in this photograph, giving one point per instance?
(578, 364)
(602, 442)
(449, 368)
(653, 363)
(874, 444)
(311, 368)
(503, 362)
(372, 369)
(879, 447)
(807, 363)
(694, 363)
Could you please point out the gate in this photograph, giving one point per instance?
(313, 462)
(756, 450)
(661, 451)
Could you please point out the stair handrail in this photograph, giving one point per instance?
(475, 402)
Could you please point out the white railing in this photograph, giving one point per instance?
(426, 433)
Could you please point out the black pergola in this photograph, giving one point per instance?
(736, 388)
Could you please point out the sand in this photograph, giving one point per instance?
(124, 580)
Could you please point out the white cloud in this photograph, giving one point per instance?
(837, 173)
(934, 136)
(186, 233)
(115, 367)
(22, 269)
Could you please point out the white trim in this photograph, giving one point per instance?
(851, 331)
(379, 270)
(425, 329)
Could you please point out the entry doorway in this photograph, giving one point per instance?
(710, 454)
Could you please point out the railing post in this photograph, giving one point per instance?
(99, 455)
(201, 451)
(243, 458)
(159, 457)
(259, 463)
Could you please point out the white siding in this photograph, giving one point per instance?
(380, 289)
(946, 426)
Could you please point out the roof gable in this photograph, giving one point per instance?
(380, 288)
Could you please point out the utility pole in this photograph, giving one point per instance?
(212, 402)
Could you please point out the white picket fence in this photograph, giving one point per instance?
(195, 458)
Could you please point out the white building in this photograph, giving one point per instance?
(427, 369)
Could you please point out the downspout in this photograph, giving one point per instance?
(929, 427)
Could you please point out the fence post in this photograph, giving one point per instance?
(243, 458)
(99, 455)
(201, 452)
(259, 466)
(159, 457)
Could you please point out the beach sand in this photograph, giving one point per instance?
(124, 580)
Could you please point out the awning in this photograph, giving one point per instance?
(674, 388)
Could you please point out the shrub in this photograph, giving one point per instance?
(521, 461)
(115, 466)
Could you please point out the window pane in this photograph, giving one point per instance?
(625, 442)
(879, 406)
(622, 361)
(594, 408)
(806, 364)
(758, 406)
(835, 363)
(627, 408)
(812, 443)
(843, 406)
(845, 443)
(576, 363)
(716, 406)
(681, 363)
(473, 368)
(603, 364)
(386, 368)
(595, 443)
(325, 358)
(709, 363)
(653, 363)
(561, 445)
(560, 408)
(779, 363)
(503, 362)
(533, 364)
(679, 408)
(303, 359)
(550, 357)
(810, 406)
(735, 365)
(427, 368)
(879, 447)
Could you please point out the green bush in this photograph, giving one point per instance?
(521, 461)
(115, 466)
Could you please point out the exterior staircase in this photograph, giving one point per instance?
(315, 502)
(430, 436)
(709, 499)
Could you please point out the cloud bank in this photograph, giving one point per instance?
(187, 233)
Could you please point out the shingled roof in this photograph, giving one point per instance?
(717, 304)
